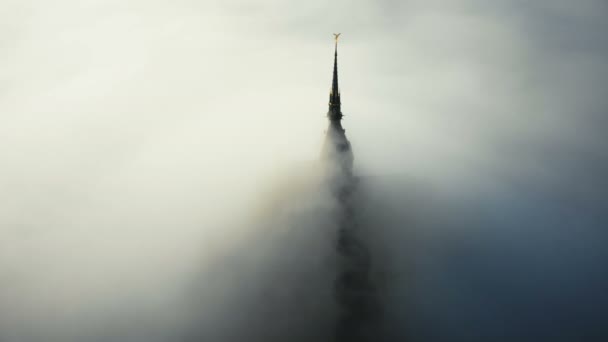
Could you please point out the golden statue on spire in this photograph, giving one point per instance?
(337, 35)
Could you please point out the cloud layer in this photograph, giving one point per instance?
(140, 144)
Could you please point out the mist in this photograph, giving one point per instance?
(160, 177)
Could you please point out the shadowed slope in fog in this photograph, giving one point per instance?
(500, 261)
(275, 284)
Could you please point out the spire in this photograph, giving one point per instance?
(337, 147)
(335, 113)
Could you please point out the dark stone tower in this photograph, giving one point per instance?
(337, 147)
(354, 291)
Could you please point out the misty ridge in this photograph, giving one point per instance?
(161, 177)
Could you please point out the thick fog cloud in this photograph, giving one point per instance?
(148, 147)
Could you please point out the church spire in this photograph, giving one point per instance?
(337, 147)
(335, 113)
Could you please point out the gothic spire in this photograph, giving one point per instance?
(335, 113)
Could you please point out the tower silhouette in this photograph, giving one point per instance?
(354, 291)
(337, 148)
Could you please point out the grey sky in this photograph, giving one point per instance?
(123, 118)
